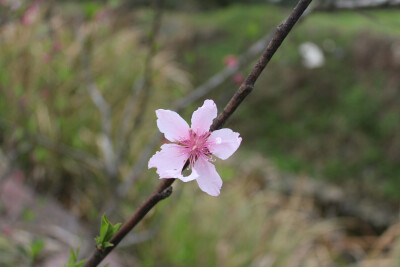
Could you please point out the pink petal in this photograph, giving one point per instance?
(203, 117)
(191, 177)
(169, 161)
(172, 125)
(223, 143)
(208, 178)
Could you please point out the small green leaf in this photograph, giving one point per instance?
(36, 247)
(107, 231)
(41, 154)
(107, 244)
(73, 257)
(90, 9)
(28, 215)
(104, 228)
(98, 240)
(22, 250)
(116, 227)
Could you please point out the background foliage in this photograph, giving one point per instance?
(338, 123)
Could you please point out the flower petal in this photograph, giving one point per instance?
(172, 125)
(169, 161)
(188, 178)
(208, 178)
(223, 143)
(203, 117)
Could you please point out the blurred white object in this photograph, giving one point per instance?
(312, 55)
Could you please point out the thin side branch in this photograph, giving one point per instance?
(164, 190)
(142, 89)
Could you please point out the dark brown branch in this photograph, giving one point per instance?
(165, 189)
(247, 86)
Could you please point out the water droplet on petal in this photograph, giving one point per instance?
(218, 140)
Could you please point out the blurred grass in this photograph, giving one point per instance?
(253, 225)
(44, 96)
(249, 228)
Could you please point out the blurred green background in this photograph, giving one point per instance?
(320, 156)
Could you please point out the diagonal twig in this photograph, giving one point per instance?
(198, 93)
(165, 189)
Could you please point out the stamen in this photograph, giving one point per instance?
(195, 146)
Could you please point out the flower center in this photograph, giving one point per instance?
(196, 146)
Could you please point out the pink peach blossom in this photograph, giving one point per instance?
(30, 14)
(231, 61)
(195, 146)
(238, 78)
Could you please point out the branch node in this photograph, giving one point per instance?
(280, 28)
(249, 87)
(165, 193)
